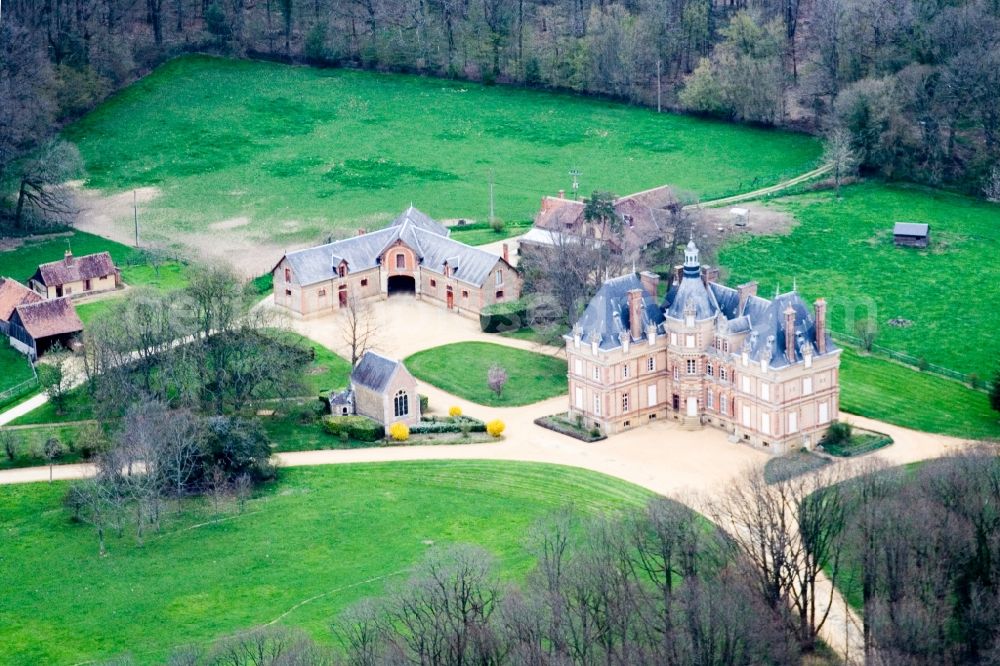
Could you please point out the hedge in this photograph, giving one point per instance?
(506, 316)
(455, 424)
(360, 428)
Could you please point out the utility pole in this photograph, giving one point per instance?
(659, 87)
(576, 173)
(491, 196)
(135, 213)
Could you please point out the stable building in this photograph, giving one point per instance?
(73, 276)
(413, 255)
(764, 370)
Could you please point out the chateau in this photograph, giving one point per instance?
(764, 370)
(412, 255)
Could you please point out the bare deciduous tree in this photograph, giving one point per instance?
(359, 327)
(496, 379)
(43, 197)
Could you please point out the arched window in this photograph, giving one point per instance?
(401, 404)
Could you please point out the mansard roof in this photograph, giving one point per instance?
(767, 333)
(428, 239)
(607, 315)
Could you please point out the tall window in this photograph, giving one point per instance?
(341, 271)
(288, 275)
(499, 278)
(624, 402)
(677, 373)
(578, 365)
(807, 385)
(692, 366)
(625, 370)
(765, 391)
(723, 374)
(710, 403)
(401, 404)
(400, 260)
(597, 405)
(597, 374)
(651, 364)
(708, 368)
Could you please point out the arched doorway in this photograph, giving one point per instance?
(402, 284)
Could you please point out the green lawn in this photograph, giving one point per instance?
(29, 443)
(299, 150)
(888, 391)
(461, 369)
(338, 531)
(14, 366)
(843, 251)
(480, 233)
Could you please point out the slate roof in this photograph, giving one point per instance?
(421, 221)
(910, 229)
(74, 269)
(607, 315)
(416, 230)
(374, 371)
(762, 320)
(56, 316)
(12, 294)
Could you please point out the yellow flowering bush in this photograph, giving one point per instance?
(399, 432)
(495, 427)
(455, 410)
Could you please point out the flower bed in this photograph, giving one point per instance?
(564, 425)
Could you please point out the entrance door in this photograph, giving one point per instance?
(451, 299)
(692, 406)
(677, 402)
(342, 295)
(59, 291)
(86, 285)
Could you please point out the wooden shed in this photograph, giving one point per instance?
(911, 234)
(35, 327)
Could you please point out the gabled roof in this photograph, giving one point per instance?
(420, 220)
(645, 216)
(607, 315)
(412, 228)
(374, 371)
(73, 269)
(46, 318)
(12, 294)
(910, 229)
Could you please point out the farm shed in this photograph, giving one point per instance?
(911, 234)
(12, 294)
(35, 327)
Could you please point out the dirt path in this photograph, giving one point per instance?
(764, 191)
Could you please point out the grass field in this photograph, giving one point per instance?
(461, 369)
(338, 531)
(14, 366)
(891, 392)
(299, 150)
(843, 250)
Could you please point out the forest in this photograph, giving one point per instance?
(914, 85)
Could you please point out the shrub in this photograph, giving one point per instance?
(838, 433)
(497, 225)
(505, 316)
(495, 427)
(360, 428)
(399, 432)
(424, 401)
(496, 378)
(463, 424)
(454, 410)
(235, 447)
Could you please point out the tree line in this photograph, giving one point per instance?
(914, 83)
(172, 379)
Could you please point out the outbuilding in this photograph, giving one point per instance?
(911, 234)
(76, 275)
(34, 328)
(12, 294)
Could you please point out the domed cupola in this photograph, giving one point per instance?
(692, 268)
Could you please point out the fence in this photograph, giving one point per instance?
(20, 389)
(918, 363)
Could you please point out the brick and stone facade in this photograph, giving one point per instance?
(412, 255)
(381, 389)
(764, 370)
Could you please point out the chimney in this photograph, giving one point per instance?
(562, 194)
(506, 253)
(678, 274)
(635, 313)
(68, 258)
(650, 282)
(790, 334)
(709, 274)
(821, 325)
(361, 232)
(746, 290)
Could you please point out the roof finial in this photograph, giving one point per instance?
(777, 289)
(795, 284)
